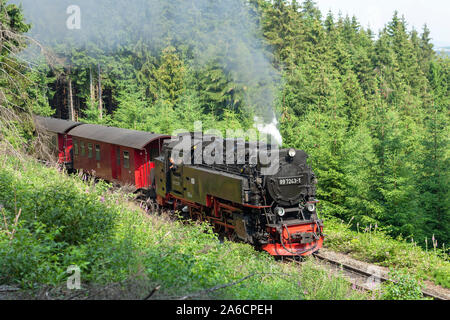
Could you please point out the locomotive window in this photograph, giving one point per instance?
(154, 153)
(89, 150)
(97, 152)
(75, 147)
(83, 149)
(126, 159)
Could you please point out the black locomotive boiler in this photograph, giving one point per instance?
(275, 211)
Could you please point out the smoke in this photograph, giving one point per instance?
(227, 31)
(269, 129)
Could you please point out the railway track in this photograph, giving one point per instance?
(362, 279)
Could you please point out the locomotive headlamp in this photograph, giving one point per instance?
(279, 211)
(292, 153)
(311, 207)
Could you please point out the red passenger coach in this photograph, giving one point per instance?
(115, 154)
(61, 143)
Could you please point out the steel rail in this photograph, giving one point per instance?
(363, 274)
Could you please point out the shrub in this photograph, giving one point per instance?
(402, 287)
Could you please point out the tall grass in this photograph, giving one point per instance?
(372, 244)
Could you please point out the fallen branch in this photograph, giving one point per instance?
(8, 289)
(76, 295)
(152, 293)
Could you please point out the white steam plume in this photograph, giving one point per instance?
(223, 30)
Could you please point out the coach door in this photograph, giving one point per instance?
(116, 162)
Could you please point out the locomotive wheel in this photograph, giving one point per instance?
(152, 206)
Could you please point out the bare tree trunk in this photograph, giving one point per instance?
(58, 99)
(100, 102)
(71, 110)
(91, 85)
(78, 109)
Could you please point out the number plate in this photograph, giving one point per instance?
(290, 181)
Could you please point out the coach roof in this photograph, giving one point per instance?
(55, 125)
(118, 136)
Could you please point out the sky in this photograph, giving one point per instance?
(376, 13)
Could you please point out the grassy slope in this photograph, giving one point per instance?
(65, 221)
(375, 246)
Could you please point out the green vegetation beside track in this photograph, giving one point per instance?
(66, 221)
(372, 244)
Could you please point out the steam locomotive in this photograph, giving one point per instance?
(258, 194)
(275, 211)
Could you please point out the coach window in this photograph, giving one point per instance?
(75, 147)
(97, 152)
(83, 149)
(89, 150)
(126, 159)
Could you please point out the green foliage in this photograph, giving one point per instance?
(65, 221)
(23, 88)
(317, 284)
(374, 245)
(31, 257)
(372, 112)
(11, 19)
(402, 287)
(80, 216)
